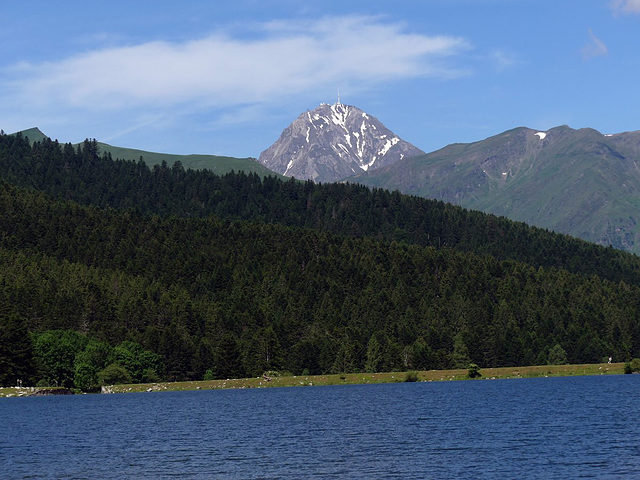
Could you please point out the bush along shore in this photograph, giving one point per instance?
(274, 379)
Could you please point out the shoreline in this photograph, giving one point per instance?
(345, 379)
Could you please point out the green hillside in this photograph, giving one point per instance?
(214, 163)
(33, 134)
(578, 182)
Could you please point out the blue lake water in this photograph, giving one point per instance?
(568, 428)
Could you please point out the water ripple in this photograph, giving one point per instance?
(537, 429)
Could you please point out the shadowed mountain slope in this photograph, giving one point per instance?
(579, 182)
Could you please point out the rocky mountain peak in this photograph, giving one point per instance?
(332, 142)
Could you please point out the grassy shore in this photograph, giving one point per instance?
(355, 379)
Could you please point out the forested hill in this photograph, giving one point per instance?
(114, 272)
(83, 175)
(176, 298)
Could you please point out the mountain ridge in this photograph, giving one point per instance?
(219, 164)
(580, 182)
(332, 142)
(574, 181)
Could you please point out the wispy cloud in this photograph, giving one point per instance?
(124, 91)
(502, 59)
(594, 48)
(222, 70)
(625, 6)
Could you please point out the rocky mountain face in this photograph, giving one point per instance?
(333, 142)
(578, 182)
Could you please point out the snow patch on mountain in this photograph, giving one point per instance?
(290, 164)
(388, 145)
(339, 114)
(368, 165)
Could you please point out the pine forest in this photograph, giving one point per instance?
(114, 271)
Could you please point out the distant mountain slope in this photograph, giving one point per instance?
(579, 182)
(332, 142)
(215, 163)
(33, 134)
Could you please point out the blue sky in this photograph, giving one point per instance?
(227, 77)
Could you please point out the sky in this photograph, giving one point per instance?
(225, 78)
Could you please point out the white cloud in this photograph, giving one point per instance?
(594, 48)
(625, 6)
(221, 70)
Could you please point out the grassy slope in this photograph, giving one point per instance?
(388, 377)
(215, 163)
(359, 378)
(34, 134)
(578, 186)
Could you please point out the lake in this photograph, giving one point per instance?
(565, 428)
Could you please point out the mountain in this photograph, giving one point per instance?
(578, 182)
(180, 274)
(332, 142)
(82, 175)
(214, 163)
(33, 134)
